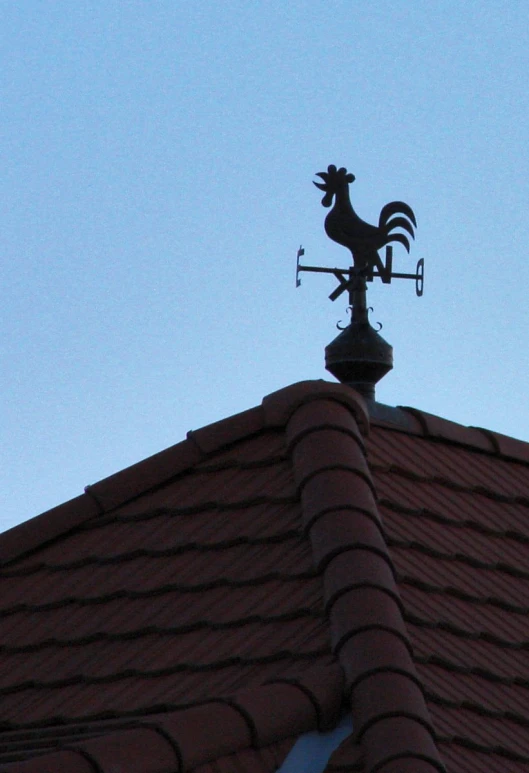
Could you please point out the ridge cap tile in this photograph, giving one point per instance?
(431, 426)
(348, 756)
(130, 749)
(481, 438)
(65, 761)
(382, 659)
(185, 738)
(41, 529)
(404, 739)
(145, 475)
(507, 446)
(128, 483)
(279, 704)
(139, 478)
(265, 760)
(323, 426)
(280, 405)
(324, 687)
(224, 432)
(437, 427)
(205, 732)
(394, 418)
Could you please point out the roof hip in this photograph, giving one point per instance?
(390, 717)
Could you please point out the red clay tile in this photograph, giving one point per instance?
(320, 418)
(407, 423)
(203, 733)
(370, 570)
(474, 689)
(335, 490)
(278, 705)
(348, 757)
(340, 530)
(279, 406)
(207, 586)
(436, 427)
(227, 431)
(369, 607)
(472, 760)
(400, 744)
(410, 761)
(441, 647)
(66, 762)
(312, 450)
(484, 551)
(510, 447)
(500, 735)
(324, 689)
(43, 528)
(148, 474)
(140, 750)
(373, 651)
(266, 760)
(435, 501)
(267, 445)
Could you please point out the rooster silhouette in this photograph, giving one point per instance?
(343, 225)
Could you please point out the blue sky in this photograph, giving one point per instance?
(157, 168)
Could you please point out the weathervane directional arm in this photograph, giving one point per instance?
(348, 277)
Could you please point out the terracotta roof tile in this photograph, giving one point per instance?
(203, 606)
(190, 737)
(34, 533)
(436, 427)
(474, 760)
(266, 760)
(455, 519)
(281, 405)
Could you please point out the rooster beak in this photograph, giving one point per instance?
(321, 186)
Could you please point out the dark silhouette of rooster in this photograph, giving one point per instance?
(343, 225)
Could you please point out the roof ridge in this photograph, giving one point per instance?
(433, 427)
(161, 468)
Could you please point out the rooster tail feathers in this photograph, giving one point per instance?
(394, 208)
(400, 222)
(399, 238)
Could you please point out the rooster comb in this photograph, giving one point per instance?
(333, 178)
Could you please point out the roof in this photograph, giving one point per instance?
(210, 604)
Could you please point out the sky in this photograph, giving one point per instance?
(157, 168)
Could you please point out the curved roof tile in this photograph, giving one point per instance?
(213, 602)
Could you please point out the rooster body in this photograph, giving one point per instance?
(343, 225)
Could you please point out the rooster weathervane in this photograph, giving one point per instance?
(364, 240)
